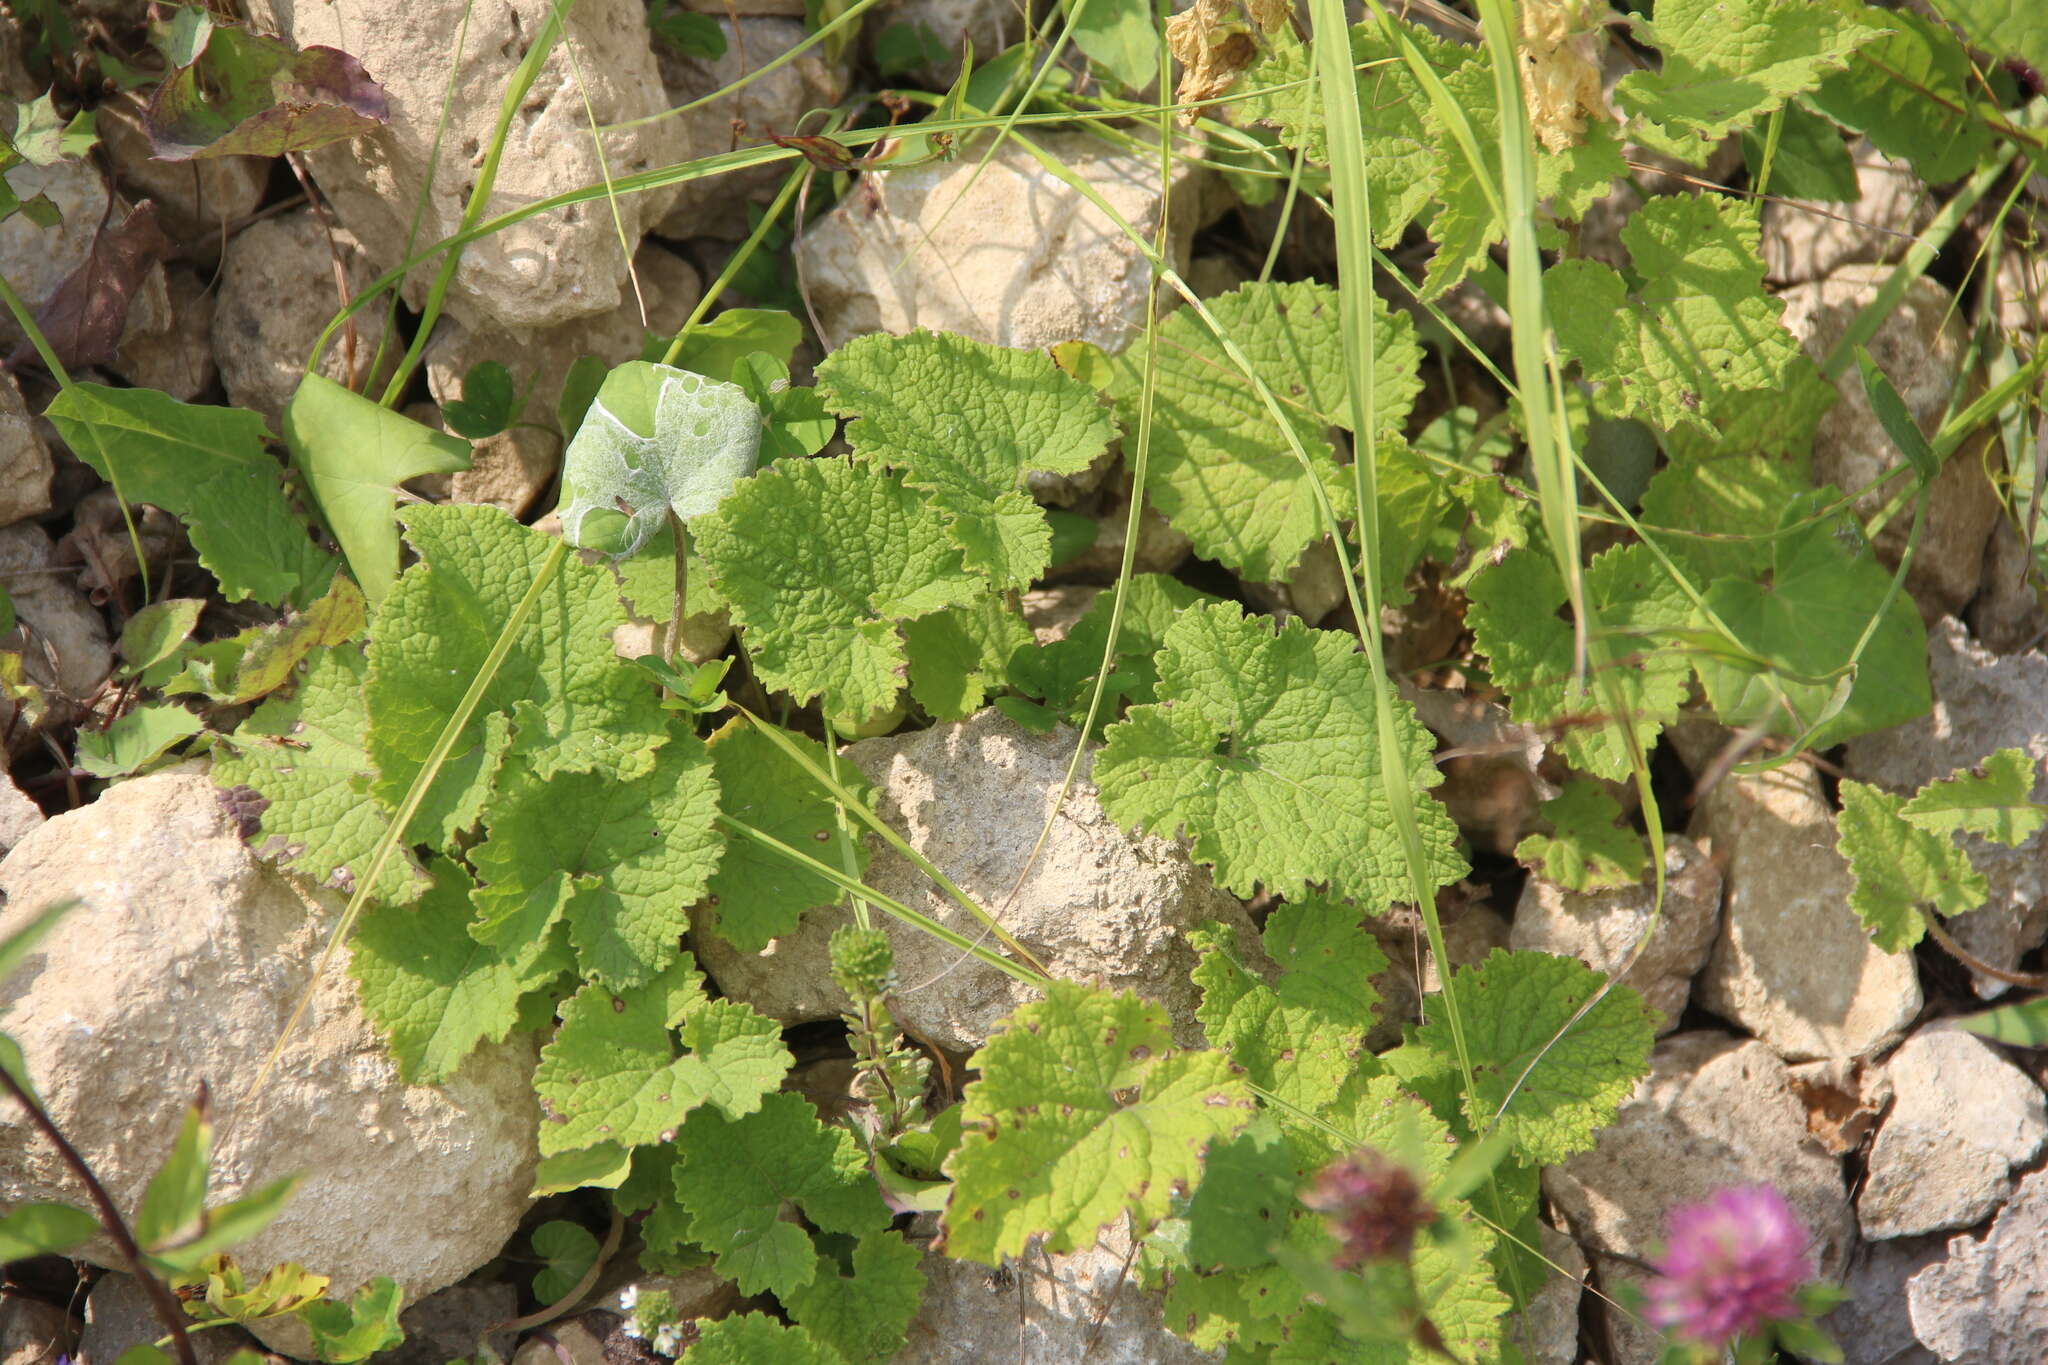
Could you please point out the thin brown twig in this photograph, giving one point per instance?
(2037, 981)
(574, 1297)
(160, 1299)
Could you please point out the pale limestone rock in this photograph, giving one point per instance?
(1054, 612)
(1603, 928)
(1793, 964)
(1962, 1120)
(1713, 1112)
(513, 468)
(1982, 703)
(772, 103)
(1016, 257)
(1044, 1307)
(1100, 905)
(177, 357)
(1986, 1302)
(19, 816)
(62, 639)
(1920, 347)
(579, 1341)
(1873, 1326)
(25, 464)
(36, 260)
(196, 198)
(1804, 240)
(545, 269)
(277, 294)
(180, 964)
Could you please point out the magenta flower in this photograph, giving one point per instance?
(1374, 1205)
(1733, 1264)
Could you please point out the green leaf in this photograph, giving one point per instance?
(207, 467)
(488, 405)
(1246, 1199)
(356, 1330)
(1896, 418)
(821, 560)
(1811, 160)
(354, 454)
(580, 383)
(656, 441)
(433, 990)
(304, 755)
(1120, 37)
(959, 655)
(1548, 1097)
(38, 1229)
(752, 1339)
(1302, 1037)
(693, 35)
(1699, 338)
(1727, 63)
(733, 1174)
(261, 659)
(642, 848)
(1800, 625)
(965, 421)
(1899, 867)
(229, 1297)
(1084, 1112)
(174, 1204)
(1265, 749)
(42, 137)
(1219, 471)
(613, 1074)
(1063, 672)
(567, 1251)
(863, 1316)
(19, 944)
(756, 895)
(715, 348)
(2003, 28)
(154, 633)
(2021, 1025)
(1585, 850)
(1530, 652)
(574, 705)
(1719, 508)
(236, 92)
(605, 1166)
(1991, 799)
(136, 740)
(224, 1225)
(1912, 93)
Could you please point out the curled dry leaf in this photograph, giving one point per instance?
(84, 319)
(1213, 48)
(1562, 41)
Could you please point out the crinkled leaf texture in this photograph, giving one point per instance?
(1727, 63)
(863, 1315)
(754, 1339)
(1899, 867)
(1992, 800)
(1700, 338)
(1265, 749)
(1549, 1098)
(822, 560)
(562, 694)
(613, 1073)
(965, 422)
(1083, 1113)
(1585, 850)
(655, 440)
(733, 1174)
(1220, 472)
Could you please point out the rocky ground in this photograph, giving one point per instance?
(1796, 1052)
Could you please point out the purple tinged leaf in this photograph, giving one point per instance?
(84, 319)
(247, 94)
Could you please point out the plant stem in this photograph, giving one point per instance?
(2032, 980)
(160, 1299)
(681, 536)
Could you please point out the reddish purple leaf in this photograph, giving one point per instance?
(246, 94)
(84, 319)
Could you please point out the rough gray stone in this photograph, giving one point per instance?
(1920, 347)
(699, 1292)
(35, 1333)
(1804, 240)
(1986, 1302)
(542, 270)
(1043, 1307)
(25, 464)
(196, 198)
(1713, 1112)
(1100, 904)
(1548, 1330)
(579, 1341)
(1872, 1325)
(182, 961)
(277, 293)
(118, 1315)
(455, 1324)
(514, 467)
(1016, 257)
(36, 259)
(1053, 612)
(63, 641)
(1983, 702)
(2007, 615)
(1962, 1119)
(1793, 964)
(1602, 928)
(771, 103)
(177, 357)
(19, 816)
